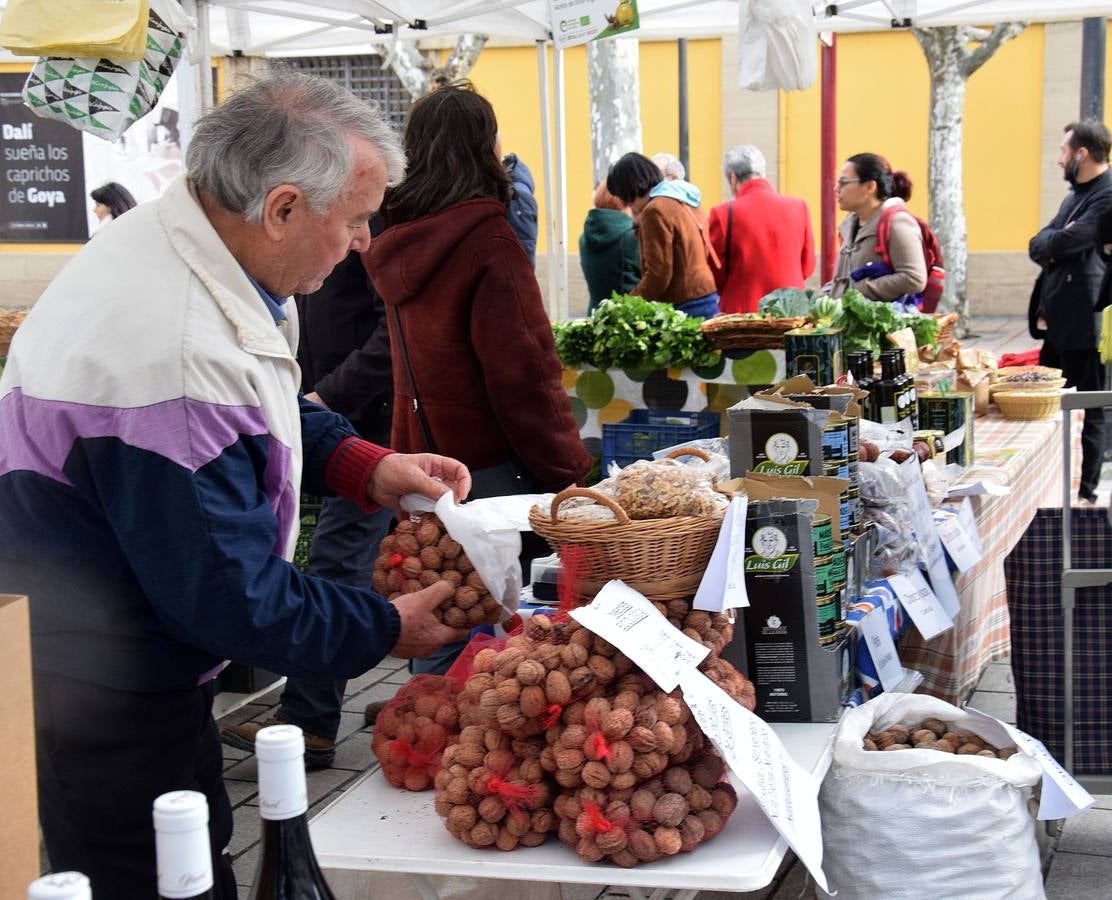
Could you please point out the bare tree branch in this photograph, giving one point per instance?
(971, 34)
(411, 67)
(463, 56)
(1001, 33)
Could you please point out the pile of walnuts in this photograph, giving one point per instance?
(671, 813)
(420, 553)
(413, 729)
(492, 791)
(934, 734)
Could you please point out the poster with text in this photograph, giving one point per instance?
(43, 192)
(582, 21)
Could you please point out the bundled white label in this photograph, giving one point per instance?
(930, 546)
(920, 602)
(786, 793)
(1062, 796)
(723, 584)
(626, 619)
(882, 649)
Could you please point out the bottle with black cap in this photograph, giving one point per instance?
(60, 886)
(287, 868)
(861, 367)
(182, 846)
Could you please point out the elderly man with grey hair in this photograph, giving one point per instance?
(152, 452)
(670, 167)
(763, 239)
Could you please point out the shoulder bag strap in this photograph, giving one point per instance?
(425, 430)
(729, 240)
(708, 250)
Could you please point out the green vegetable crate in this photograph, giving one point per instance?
(815, 352)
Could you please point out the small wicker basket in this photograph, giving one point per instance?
(1028, 405)
(664, 559)
(1013, 387)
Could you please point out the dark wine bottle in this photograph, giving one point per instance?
(890, 395)
(60, 886)
(182, 846)
(287, 868)
(912, 395)
(861, 367)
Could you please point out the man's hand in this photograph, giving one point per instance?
(314, 397)
(417, 473)
(422, 634)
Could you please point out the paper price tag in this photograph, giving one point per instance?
(723, 583)
(1062, 796)
(882, 649)
(921, 603)
(930, 546)
(626, 619)
(957, 543)
(786, 792)
(969, 523)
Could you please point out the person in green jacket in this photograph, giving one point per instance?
(609, 252)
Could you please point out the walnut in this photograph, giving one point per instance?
(678, 780)
(428, 533)
(595, 774)
(668, 840)
(969, 749)
(641, 844)
(617, 723)
(923, 734)
(455, 617)
(448, 548)
(557, 687)
(533, 701)
(935, 725)
(692, 833)
(670, 809)
(466, 597)
(407, 545)
(430, 558)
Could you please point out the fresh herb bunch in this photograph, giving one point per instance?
(627, 332)
(866, 324)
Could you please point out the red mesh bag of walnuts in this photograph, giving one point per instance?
(413, 730)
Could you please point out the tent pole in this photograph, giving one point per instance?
(828, 159)
(204, 65)
(1092, 69)
(562, 310)
(546, 151)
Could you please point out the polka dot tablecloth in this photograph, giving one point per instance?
(608, 396)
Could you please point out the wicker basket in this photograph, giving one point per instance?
(1014, 387)
(731, 331)
(1009, 371)
(664, 559)
(1028, 405)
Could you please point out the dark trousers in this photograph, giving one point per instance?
(1082, 370)
(103, 757)
(344, 548)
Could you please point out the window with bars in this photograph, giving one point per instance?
(364, 76)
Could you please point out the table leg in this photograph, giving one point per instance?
(423, 886)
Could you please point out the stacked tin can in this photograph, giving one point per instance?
(830, 578)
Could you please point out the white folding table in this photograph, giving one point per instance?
(376, 828)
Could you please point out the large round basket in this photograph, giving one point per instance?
(1028, 405)
(664, 559)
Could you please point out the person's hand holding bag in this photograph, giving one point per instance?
(422, 633)
(417, 473)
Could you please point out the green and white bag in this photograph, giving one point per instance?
(105, 96)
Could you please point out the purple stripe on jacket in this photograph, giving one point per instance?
(37, 436)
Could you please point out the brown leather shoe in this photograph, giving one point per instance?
(320, 752)
(372, 711)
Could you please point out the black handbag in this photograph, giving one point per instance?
(501, 480)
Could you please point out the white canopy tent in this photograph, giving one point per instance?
(291, 27)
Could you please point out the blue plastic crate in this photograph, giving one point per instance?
(645, 431)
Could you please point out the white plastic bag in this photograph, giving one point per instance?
(776, 45)
(923, 823)
(489, 531)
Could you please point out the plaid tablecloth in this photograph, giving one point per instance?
(1027, 456)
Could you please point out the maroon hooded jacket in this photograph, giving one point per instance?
(480, 345)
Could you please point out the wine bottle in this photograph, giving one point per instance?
(287, 868)
(182, 846)
(60, 886)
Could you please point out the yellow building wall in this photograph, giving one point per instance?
(507, 76)
(883, 100)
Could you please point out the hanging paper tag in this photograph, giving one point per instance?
(626, 619)
(786, 792)
(969, 523)
(920, 602)
(882, 649)
(1062, 796)
(930, 547)
(723, 584)
(952, 533)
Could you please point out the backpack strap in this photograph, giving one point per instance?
(884, 231)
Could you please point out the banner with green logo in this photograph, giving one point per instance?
(582, 21)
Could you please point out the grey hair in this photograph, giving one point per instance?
(669, 166)
(286, 128)
(746, 162)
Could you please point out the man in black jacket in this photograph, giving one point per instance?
(1067, 302)
(344, 352)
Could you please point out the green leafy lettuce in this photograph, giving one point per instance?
(786, 303)
(866, 324)
(627, 332)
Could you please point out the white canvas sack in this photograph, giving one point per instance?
(922, 823)
(776, 45)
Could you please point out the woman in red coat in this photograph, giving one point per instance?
(763, 239)
(475, 368)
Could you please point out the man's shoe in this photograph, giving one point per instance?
(372, 711)
(320, 752)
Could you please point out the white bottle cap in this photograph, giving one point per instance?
(60, 886)
(279, 753)
(182, 844)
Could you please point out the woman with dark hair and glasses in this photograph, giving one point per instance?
(112, 201)
(867, 186)
(475, 368)
(674, 247)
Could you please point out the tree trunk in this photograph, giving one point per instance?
(417, 72)
(612, 73)
(947, 209)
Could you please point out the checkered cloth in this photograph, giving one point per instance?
(1033, 573)
(953, 661)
